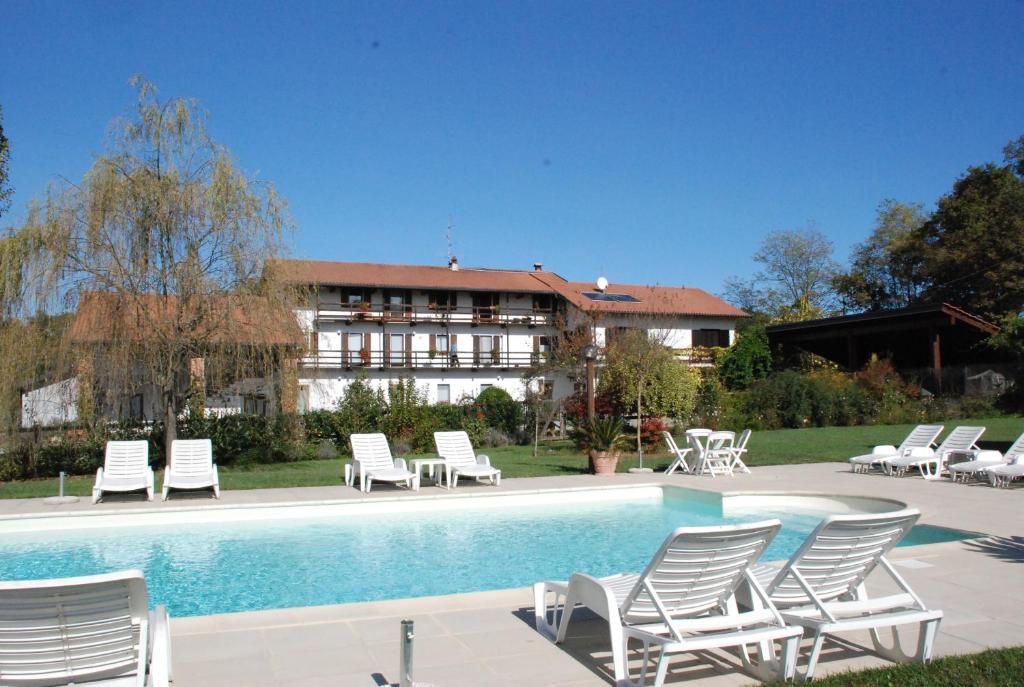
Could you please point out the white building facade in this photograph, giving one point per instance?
(457, 331)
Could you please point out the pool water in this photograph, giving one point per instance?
(206, 568)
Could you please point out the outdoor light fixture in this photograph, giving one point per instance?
(590, 355)
(590, 352)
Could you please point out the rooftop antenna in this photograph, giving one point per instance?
(448, 237)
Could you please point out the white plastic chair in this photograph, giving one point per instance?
(1003, 475)
(191, 467)
(715, 454)
(461, 459)
(738, 449)
(922, 436)
(372, 457)
(987, 460)
(679, 462)
(932, 463)
(684, 601)
(125, 468)
(822, 586)
(93, 630)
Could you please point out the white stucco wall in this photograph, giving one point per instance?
(51, 405)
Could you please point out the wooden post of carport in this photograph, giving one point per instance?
(936, 341)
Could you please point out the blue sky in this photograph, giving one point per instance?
(649, 142)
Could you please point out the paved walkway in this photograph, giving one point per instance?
(486, 638)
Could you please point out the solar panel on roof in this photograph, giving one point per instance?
(615, 297)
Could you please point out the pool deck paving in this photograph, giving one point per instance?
(487, 638)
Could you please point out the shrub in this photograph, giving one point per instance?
(650, 433)
(748, 360)
(501, 411)
(493, 436)
(711, 396)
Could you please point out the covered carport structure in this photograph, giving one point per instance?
(919, 339)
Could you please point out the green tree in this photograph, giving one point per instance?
(795, 282)
(974, 243)
(5, 150)
(641, 373)
(165, 239)
(748, 360)
(886, 269)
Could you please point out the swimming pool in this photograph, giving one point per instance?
(205, 561)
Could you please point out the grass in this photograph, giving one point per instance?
(777, 447)
(992, 668)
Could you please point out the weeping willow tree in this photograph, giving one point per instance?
(160, 253)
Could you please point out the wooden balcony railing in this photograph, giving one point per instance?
(413, 314)
(697, 356)
(352, 360)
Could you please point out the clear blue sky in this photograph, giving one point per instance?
(649, 142)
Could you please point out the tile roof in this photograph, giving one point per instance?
(652, 300)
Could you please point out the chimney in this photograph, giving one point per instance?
(538, 267)
(453, 264)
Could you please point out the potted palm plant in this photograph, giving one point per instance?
(602, 437)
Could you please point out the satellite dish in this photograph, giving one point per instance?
(602, 284)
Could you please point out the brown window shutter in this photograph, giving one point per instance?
(344, 348)
(476, 349)
(433, 342)
(387, 349)
(408, 350)
(536, 344)
(496, 349)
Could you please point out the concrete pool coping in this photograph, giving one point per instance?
(485, 638)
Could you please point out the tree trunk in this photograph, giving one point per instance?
(170, 425)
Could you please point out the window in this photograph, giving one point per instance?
(547, 390)
(543, 304)
(254, 405)
(354, 355)
(398, 302)
(710, 338)
(444, 393)
(444, 301)
(484, 305)
(354, 297)
(441, 342)
(397, 349)
(135, 408)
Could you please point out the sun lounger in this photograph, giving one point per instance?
(922, 436)
(93, 630)
(461, 459)
(191, 467)
(932, 463)
(125, 468)
(986, 460)
(821, 587)
(372, 457)
(684, 601)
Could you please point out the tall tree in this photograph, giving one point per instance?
(886, 269)
(5, 150)
(795, 282)
(974, 243)
(161, 248)
(642, 374)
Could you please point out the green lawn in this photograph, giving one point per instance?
(559, 458)
(992, 668)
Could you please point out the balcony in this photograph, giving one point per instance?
(382, 313)
(698, 356)
(379, 360)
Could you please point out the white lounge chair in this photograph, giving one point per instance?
(1003, 475)
(986, 460)
(931, 463)
(125, 468)
(822, 588)
(684, 601)
(93, 630)
(461, 459)
(372, 458)
(922, 436)
(738, 449)
(679, 460)
(191, 467)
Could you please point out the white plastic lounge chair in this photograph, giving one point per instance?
(1003, 475)
(460, 459)
(922, 436)
(738, 449)
(715, 454)
(93, 630)
(679, 462)
(125, 468)
(822, 587)
(932, 463)
(985, 461)
(683, 601)
(191, 467)
(372, 456)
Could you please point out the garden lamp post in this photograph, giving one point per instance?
(590, 356)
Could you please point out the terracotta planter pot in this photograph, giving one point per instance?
(604, 462)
